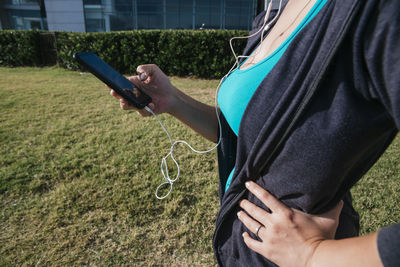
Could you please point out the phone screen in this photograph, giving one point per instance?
(113, 78)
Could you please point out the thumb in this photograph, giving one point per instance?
(329, 220)
(335, 212)
(145, 71)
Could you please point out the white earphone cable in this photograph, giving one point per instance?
(265, 27)
(164, 166)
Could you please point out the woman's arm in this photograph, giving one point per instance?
(289, 237)
(168, 99)
(357, 251)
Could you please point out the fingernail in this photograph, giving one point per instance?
(238, 214)
(142, 76)
(247, 184)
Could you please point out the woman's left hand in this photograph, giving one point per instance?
(287, 236)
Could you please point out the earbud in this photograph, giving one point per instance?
(263, 28)
(266, 28)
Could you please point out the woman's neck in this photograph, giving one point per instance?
(293, 13)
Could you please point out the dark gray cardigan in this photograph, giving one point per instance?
(316, 124)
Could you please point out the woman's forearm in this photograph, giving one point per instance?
(357, 251)
(166, 98)
(200, 117)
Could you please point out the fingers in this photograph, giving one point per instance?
(335, 212)
(259, 214)
(254, 211)
(146, 71)
(328, 221)
(137, 81)
(115, 94)
(125, 105)
(144, 112)
(269, 200)
(253, 244)
(254, 226)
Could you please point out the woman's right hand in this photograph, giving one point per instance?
(168, 99)
(152, 81)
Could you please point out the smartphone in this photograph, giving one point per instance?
(113, 79)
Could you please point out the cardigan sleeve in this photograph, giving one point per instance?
(389, 245)
(380, 44)
(381, 59)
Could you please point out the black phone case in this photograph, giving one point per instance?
(113, 79)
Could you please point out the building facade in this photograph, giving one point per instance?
(116, 15)
(22, 15)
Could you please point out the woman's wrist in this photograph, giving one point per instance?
(176, 102)
(312, 260)
(354, 251)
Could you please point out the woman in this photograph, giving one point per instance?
(304, 116)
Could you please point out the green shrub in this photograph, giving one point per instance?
(19, 48)
(177, 52)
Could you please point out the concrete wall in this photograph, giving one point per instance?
(65, 15)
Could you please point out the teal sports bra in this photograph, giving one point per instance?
(238, 88)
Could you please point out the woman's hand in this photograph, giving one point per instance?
(168, 99)
(287, 236)
(152, 81)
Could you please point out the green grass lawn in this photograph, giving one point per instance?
(78, 177)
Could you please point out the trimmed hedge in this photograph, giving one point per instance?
(176, 52)
(204, 53)
(19, 48)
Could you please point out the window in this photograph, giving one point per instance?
(150, 14)
(91, 2)
(22, 2)
(239, 14)
(168, 14)
(208, 14)
(179, 14)
(95, 25)
(94, 19)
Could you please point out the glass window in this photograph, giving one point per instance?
(95, 25)
(208, 14)
(123, 6)
(150, 21)
(22, 2)
(94, 19)
(92, 2)
(150, 14)
(20, 23)
(239, 14)
(121, 22)
(23, 20)
(169, 14)
(179, 14)
(150, 6)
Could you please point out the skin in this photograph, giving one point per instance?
(288, 237)
(168, 99)
(292, 15)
